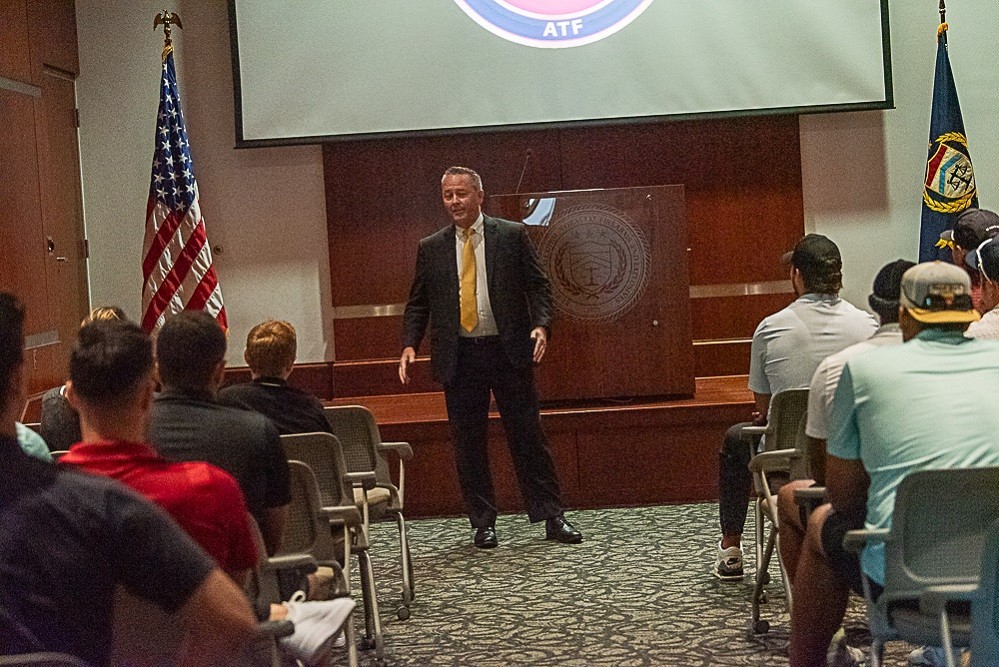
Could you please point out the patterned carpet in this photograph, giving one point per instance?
(637, 592)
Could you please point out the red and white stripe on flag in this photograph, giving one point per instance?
(177, 268)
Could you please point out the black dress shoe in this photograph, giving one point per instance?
(560, 530)
(485, 538)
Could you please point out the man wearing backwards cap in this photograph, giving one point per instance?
(883, 300)
(926, 404)
(985, 260)
(786, 349)
(972, 228)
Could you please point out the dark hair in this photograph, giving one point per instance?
(110, 359)
(11, 343)
(188, 348)
(820, 264)
(824, 278)
(884, 295)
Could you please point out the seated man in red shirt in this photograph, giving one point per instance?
(111, 387)
(69, 540)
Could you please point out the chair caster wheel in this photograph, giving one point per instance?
(366, 644)
(761, 627)
(402, 613)
(765, 578)
(764, 597)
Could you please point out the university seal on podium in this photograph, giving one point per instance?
(950, 179)
(553, 24)
(597, 260)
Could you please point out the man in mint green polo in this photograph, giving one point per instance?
(926, 404)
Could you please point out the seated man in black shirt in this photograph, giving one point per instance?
(69, 539)
(189, 424)
(270, 353)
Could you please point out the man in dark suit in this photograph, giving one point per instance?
(480, 287)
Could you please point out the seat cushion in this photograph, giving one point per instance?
(376, 496)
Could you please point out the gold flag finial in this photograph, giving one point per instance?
(166, 18)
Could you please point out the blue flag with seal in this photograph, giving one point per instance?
(949, 186)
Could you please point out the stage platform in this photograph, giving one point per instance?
(610, 454)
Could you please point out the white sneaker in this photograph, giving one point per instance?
(318, 628)
(934, 656)
(841, 654)
(728, 564)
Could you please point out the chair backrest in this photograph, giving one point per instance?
(43, 660)
(307, 531)
(321, 452)
(801, 467)
(985, 610)
(786, 410)
(301, 532)
(939, 524)
(355, 427)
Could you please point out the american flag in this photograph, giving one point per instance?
(177, 265)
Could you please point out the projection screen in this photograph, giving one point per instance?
(332, 69)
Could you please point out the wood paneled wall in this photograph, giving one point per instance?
(744, 209)
(42, 249)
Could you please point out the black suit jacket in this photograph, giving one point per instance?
(519, 294)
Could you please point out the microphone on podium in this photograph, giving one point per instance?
(523, 170)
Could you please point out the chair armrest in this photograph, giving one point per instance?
(364, 479)
(289, 562)
(275, 629)
(854, 540)
(811, 494)
(403, 449)
(754, 430)
(394, 498)
(935, 598)
(772, 461)
(348, 515)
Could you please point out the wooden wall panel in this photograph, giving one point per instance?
(742, 180)
(53, 35)
(15, 54)
(731, 316)
(22, 236)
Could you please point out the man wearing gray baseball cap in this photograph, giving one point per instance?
(925, 404)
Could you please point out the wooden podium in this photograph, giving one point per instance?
(617, 262)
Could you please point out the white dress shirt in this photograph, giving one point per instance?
(487, 323)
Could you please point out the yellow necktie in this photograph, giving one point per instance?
(469, 306)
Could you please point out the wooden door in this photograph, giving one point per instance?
(66, 261)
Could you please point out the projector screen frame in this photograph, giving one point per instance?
(241, 142)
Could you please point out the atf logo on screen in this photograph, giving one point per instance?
(553, 24)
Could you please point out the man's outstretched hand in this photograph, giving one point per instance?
(408, 357)
(540, 337)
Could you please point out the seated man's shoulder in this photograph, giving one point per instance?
(230, 416)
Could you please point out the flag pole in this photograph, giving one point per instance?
(942, 28)
(166, 18)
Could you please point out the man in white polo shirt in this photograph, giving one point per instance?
(927, 404)
(786, 349)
